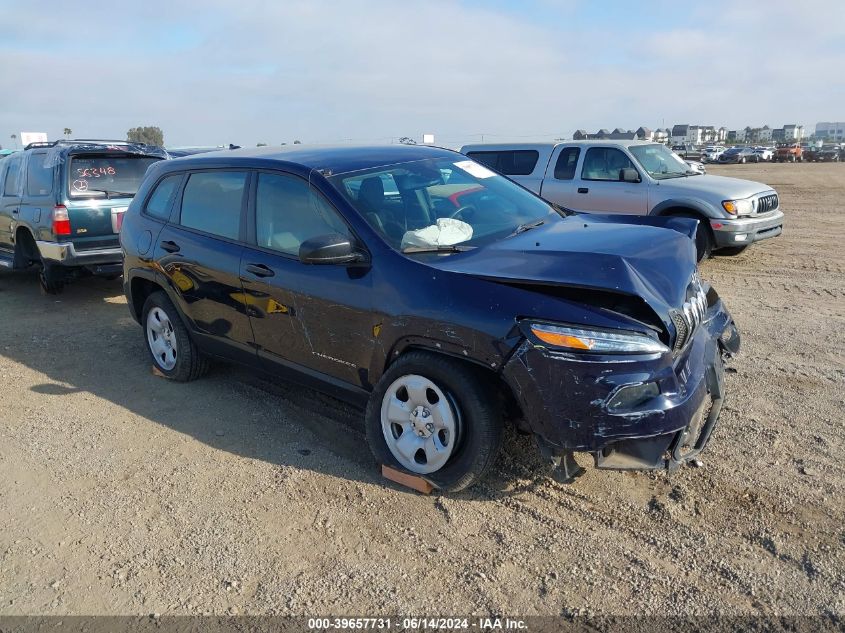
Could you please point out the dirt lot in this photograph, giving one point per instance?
(123, 493)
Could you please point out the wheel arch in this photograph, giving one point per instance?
(512, 410)
(25, 246)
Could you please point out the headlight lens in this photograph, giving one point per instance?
(738, 207)
(577, 339)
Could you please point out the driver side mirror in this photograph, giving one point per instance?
(629, 174)
(331, 249)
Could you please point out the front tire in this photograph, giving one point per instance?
(171, 349)
(730, 251)
(437, 418)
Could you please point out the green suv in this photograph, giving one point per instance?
(62, 204)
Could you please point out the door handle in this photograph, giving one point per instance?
(259, 270)
(583, 190)
(170, 246)
(15, 211)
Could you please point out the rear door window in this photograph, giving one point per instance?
(288, 212)
(519, 162)
(212, 202)
(39, 177)
(158, 205)
(10, 182)
(566, 163)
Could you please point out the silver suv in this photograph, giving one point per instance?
(641, 178)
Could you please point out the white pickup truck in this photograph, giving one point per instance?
(642, 178)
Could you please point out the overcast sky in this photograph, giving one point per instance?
(323, 71)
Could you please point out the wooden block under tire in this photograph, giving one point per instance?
(157, 372)
(410, 481)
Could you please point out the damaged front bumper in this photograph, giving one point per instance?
(573, 402)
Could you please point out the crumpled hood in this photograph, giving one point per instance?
(626, 254)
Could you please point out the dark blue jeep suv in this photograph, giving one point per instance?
(444, 296)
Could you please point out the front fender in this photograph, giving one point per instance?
(692, 204)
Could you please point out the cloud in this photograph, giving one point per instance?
(319, 70)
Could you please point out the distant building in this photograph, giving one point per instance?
(765, 134)
(777, 135)
(662, 135)
(644, 134)
(793, 132)
(580, 135)
(831, 131)
(722, 134)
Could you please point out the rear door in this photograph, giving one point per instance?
(313, 317)
(38, 185)
(10, 201)
(599, 187)
(199, 252)
(558, 184)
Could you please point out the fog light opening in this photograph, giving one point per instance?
(740, 237)
(632, 396)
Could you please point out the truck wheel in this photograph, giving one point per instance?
(435, 417)
(170, 346)
(730, 251)
(703, 237)
(51, 279)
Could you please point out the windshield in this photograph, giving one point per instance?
(441, 203)
(660, 162)
(106, 176)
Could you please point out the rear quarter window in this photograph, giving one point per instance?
(519, 162)
(159, 203)
(39, 177)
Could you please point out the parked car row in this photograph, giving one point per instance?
(422, 283)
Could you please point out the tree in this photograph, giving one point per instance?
(406, 140)
(261, 144)
(68, 132)
(150, 135)
(297, 142)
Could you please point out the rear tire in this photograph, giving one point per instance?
(51, 279)
(471, 409)
(168, 343)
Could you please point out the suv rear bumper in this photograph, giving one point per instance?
(742, 231)
(65, 254)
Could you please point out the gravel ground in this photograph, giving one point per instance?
(122, 493)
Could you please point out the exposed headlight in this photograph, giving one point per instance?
(738, 207)
(577, 339)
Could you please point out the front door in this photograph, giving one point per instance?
(599, 187)
(313, 317)
(200, 254)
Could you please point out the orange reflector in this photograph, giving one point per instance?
(562, 340)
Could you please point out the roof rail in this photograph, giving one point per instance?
(40, 144)
(104, 141)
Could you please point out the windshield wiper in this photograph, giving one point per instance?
(109, 193)
(449, 248)
(565, 211)
(527, 226)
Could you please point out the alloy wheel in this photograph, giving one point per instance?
(161, 338)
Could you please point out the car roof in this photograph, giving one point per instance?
(329, 159)
(480, 147)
